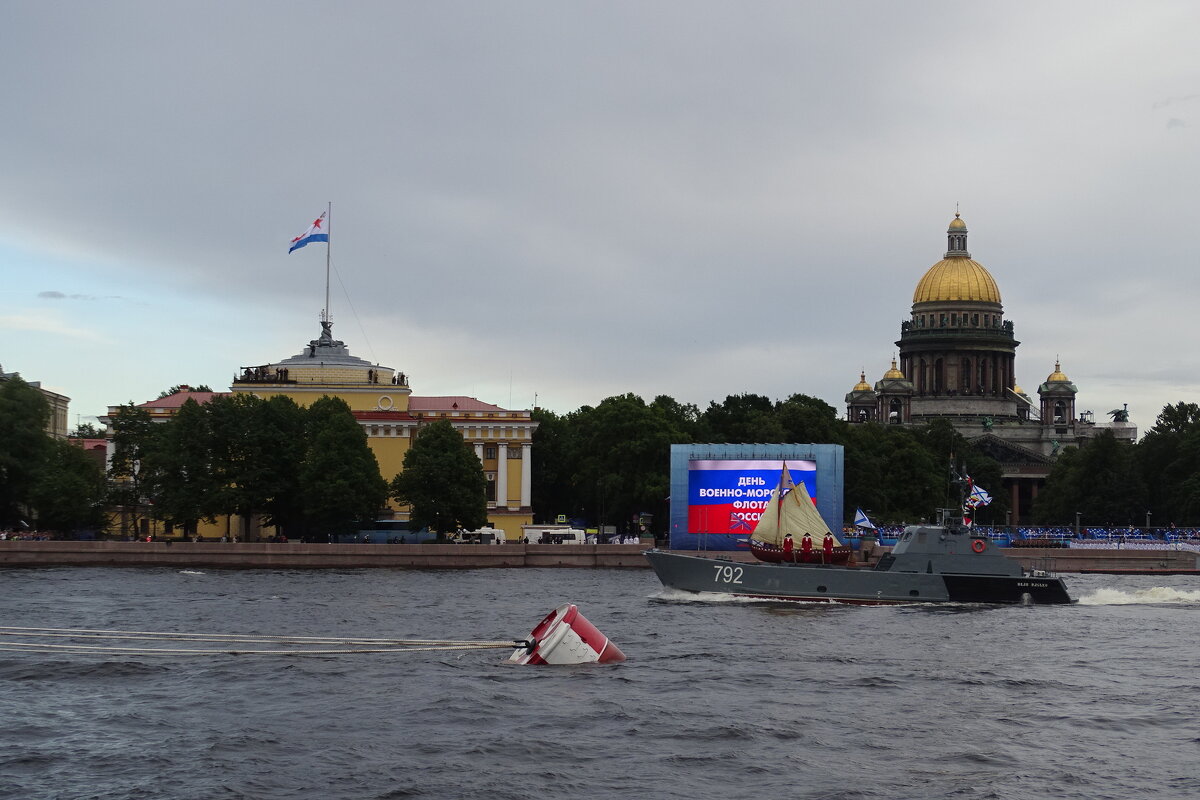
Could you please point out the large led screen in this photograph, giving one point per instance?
(728, 497)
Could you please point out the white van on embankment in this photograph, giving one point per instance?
(552, 534)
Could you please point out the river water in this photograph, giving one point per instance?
(718, 699)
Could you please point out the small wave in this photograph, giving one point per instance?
(1155, 595)
(191, 572)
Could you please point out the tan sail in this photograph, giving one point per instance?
(795, 514)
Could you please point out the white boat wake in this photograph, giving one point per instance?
(678, 596)
(1155, 595)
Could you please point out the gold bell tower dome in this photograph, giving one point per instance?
(957, 349)
(957, 276)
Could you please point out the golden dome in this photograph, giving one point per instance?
(957, 224)
(1057, 376)
(957, 278)
(893, 373)
(1017, 389)
(862, 385)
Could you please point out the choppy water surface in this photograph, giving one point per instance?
(717, 700)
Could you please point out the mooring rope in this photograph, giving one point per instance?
(348, 645)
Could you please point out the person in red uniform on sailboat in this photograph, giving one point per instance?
(806, 547)
(788, 554)
(827, 546)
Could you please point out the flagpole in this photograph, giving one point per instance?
(328, 248)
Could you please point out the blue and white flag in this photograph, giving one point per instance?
(977, 496)
(861, 521)
(316, 232)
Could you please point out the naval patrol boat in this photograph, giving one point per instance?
(950, 562)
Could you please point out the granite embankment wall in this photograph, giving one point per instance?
(262, 555)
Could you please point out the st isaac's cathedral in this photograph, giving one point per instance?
(958, 362)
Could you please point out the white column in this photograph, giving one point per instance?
(502, 476)
(479, 452)
(526, 476)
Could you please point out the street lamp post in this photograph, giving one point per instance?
(1077, 515)
(1147, 522)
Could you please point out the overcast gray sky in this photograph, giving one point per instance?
(575, 200)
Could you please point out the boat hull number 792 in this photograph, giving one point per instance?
(727, 574)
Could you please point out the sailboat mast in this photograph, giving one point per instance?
(779, 507)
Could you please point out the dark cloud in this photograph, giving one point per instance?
(689, 198)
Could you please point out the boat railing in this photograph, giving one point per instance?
(1043, 567)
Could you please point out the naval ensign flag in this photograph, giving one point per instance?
(315, 233)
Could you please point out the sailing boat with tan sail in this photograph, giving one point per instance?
(790, 510)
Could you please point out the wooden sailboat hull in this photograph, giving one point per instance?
(775, 555)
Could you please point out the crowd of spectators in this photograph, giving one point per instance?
(24, 536)
(1061, 533)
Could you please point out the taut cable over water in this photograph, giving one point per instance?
(12, 639)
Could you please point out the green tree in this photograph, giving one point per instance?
(70, 491)
(742, 419)
(86, 430)
(24, 446)
(810, 419)
(552, 492)
(340, 480)
(442, 481)
(1101, 479)
(683, 417)
(623, 466)
(187, 484)
(270, 452)
(947, 446)
(1169, 459)
(135, 439)
(179, 388)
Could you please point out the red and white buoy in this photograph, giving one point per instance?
(566, 637)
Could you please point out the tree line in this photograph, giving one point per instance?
(309, 471)
(609, 462)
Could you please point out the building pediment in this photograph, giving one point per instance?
(1005, 452)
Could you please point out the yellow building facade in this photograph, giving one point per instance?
(382, 401)
(383, 404)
